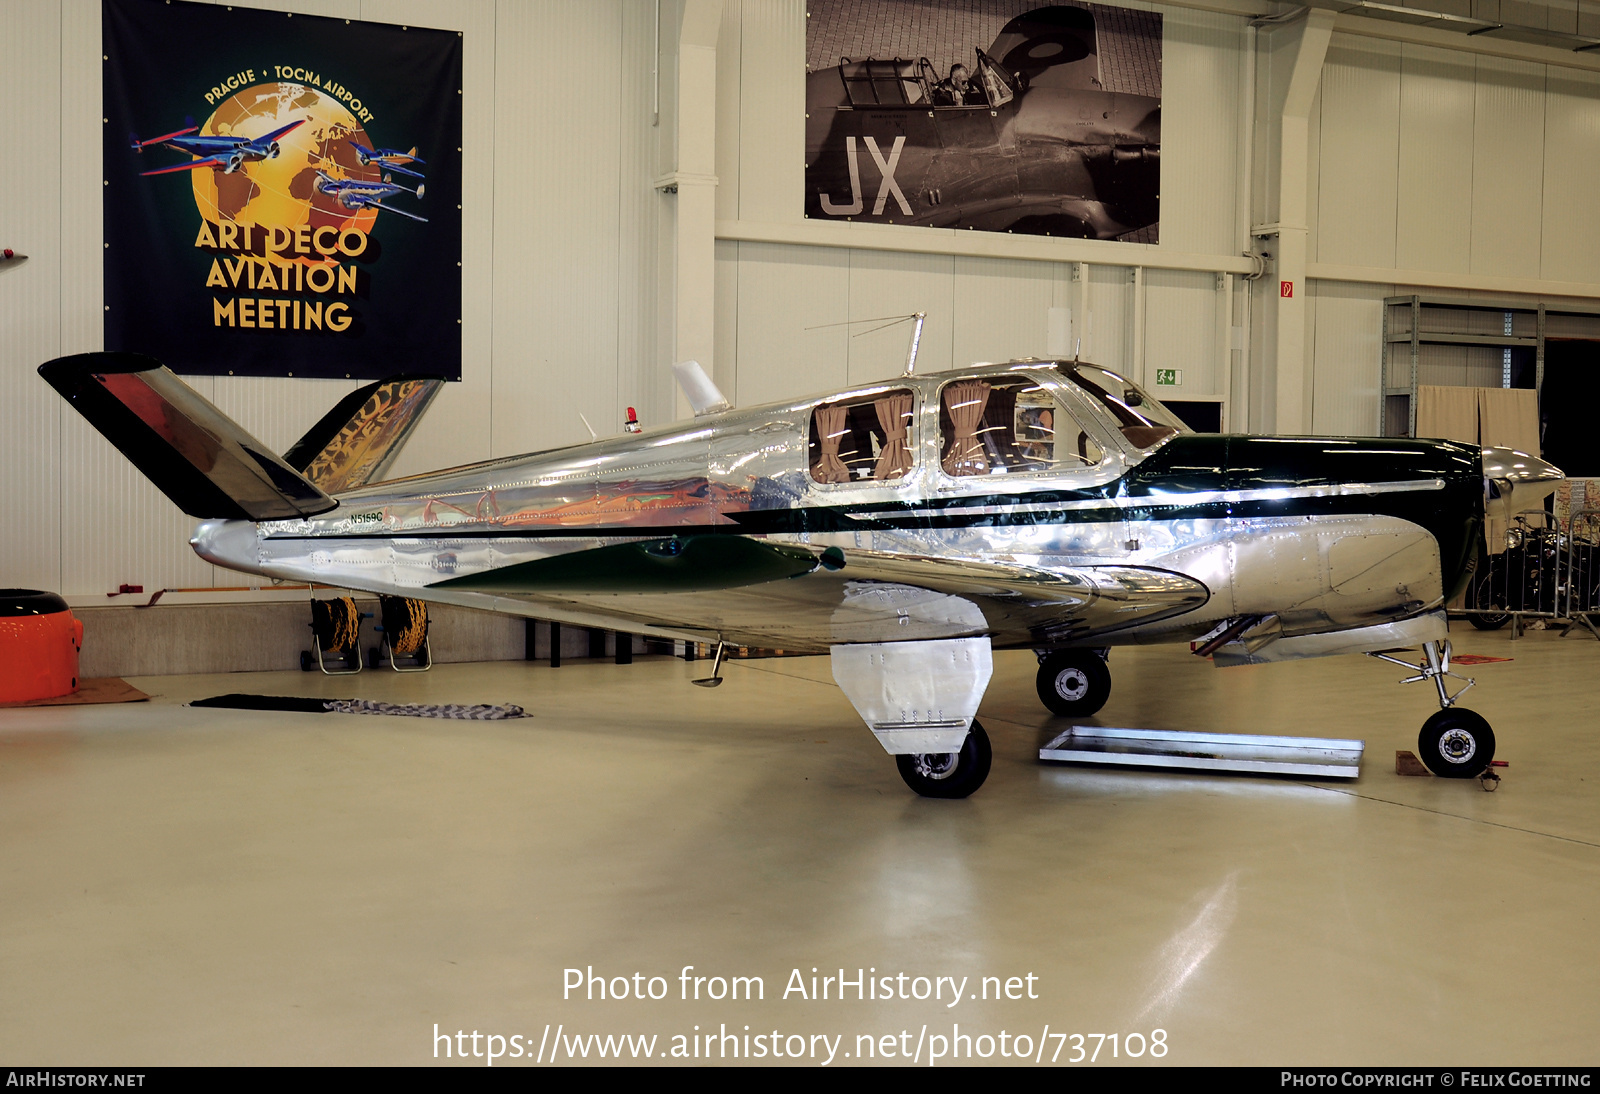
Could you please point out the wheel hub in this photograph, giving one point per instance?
(936, 765)
(1072, 684)
(1458, 746)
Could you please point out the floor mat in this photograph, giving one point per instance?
(91, 689)
(300, 704)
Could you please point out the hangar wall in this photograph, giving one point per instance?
(1442, 167)
(1432, 167)
(1431, 170)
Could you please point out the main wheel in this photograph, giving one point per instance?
(952, 774)
(1456, 744)
(1074, 683)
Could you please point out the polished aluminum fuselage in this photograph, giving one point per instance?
(1263, 526)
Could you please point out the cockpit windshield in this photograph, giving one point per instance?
(1137, 415)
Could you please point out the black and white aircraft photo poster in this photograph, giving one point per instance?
(993, 115)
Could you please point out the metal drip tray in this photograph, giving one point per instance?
(1324, 757)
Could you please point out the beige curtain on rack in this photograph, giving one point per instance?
(965, 402)
(894, 415)
(830, 429)
(1509, 417)
(1447, 412)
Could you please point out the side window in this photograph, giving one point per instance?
(994, 80)
(864, 438)
(1007, 426)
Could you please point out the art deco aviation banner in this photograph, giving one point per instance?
(996, 115)
(282, 192)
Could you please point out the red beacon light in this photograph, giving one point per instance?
(632, 424)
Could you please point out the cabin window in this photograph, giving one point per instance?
(1144, 422)
(882, 83)
(1006, 426)
(865, 438)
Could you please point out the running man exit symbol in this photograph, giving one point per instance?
(1169, 377)
(1286, 288)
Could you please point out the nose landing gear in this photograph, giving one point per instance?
(1455, 743)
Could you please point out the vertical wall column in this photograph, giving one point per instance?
(1304, 45)
(690, 299)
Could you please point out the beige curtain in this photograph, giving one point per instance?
(1509, 417)
(894, 415)
(1447, 412)
(830, 428)
(965, 402)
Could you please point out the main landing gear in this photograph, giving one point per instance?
(950, 774)
(1074, 683)
(1455, 743)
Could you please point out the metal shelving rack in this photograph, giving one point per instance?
(1403, 342)
(1404, 335)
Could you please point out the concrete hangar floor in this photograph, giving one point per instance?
(184, 885)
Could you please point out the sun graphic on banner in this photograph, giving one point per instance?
(282, 192)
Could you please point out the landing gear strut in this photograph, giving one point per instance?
(1073, 683)
(1455, 743)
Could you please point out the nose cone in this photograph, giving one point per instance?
(1516, 481)
(235, 544)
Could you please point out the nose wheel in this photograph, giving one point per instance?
(1073, 683)
(1456, 744)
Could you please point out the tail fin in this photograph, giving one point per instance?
(357, 441)
(195, 454)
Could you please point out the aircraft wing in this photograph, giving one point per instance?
(276, 133)
(192, 165)
(139, 144)
(374, 203)
(784, 595)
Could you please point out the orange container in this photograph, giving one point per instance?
(39, 644)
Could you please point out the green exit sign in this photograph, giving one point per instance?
(1169, 377)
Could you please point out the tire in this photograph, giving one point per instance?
(1074, 683)
(1484, 598)
(1456, 744)
(953, 775)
